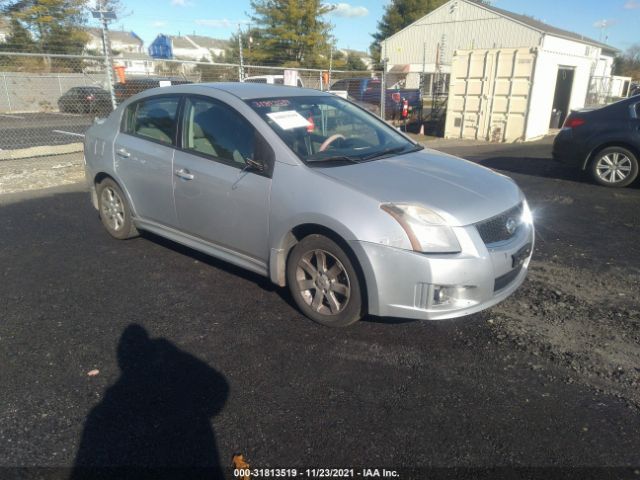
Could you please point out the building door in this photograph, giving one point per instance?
(562, 96)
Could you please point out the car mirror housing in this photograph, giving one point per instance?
(263, 158)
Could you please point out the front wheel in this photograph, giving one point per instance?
(614, 167)
(115, 212)
(323, 282)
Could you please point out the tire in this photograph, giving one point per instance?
(614, 167)
(327, 291)
(114, 209)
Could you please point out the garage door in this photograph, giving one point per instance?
(489, 94)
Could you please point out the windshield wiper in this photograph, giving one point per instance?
(391, 151)
(334, 158)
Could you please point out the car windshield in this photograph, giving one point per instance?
(328, 129)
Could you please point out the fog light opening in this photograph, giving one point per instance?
(447, 294)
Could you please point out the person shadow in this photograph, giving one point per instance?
(155, 421)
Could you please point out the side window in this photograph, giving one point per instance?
(216, 130)
(153, 118)
(637, 110)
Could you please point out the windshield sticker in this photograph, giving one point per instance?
(281, 102)
(289, 119)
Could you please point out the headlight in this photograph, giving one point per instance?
(427, 231)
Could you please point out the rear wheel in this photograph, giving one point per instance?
(614, 167)
(324, 283)
(114, 210)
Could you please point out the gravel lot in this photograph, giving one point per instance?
(548, 378)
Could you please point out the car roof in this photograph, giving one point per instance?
(244, 91)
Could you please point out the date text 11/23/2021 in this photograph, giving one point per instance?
(313, 473)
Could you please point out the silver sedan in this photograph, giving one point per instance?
(315, 193)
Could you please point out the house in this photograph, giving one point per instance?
(135, 63)
(187, 47)
(364, 56)
(121, 42)
(563, 63)
(5, 29)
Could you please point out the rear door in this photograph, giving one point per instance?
(143, 154)
(216, 199)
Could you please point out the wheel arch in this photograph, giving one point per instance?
(100, 176)
(608, 144)
(280, 256)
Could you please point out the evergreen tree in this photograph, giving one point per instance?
(293, 32)
(54, 26)
(354, 62)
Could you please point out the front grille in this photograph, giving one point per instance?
(494, 230)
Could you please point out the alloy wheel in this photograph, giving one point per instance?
(112, 208)
(323, 282)
(613, 167)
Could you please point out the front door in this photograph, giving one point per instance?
(143, 153)
(216, 199)
(562, 96)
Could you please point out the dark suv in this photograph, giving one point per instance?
(85, 100)
(605, 141)
(137, 85)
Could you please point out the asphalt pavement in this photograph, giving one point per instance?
(143, 352)
(24, 130)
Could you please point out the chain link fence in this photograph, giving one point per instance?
(47, 102)
(606, 90)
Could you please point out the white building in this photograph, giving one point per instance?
(188, 47)
(121, 42)
(5, 29)
(135, 63)
(564, 62)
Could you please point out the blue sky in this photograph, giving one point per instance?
(355, 21)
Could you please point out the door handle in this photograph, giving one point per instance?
(121, 152)
(185, 174)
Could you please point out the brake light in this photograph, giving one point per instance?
(573, 122)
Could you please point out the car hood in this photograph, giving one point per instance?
(460, 191)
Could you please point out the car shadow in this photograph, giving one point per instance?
(540, 167)
(263, 282)
(535, 166)
(155, 420)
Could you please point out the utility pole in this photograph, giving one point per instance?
(105, 15)
(330, 65)
(383, 88)
(249, 42)
(241, 70)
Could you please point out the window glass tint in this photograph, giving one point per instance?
(216, 130)
(637, 110)
(154, 118)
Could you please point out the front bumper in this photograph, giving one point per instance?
(406, 284)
